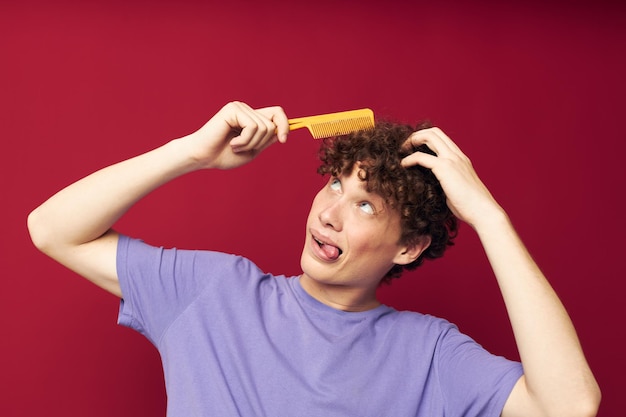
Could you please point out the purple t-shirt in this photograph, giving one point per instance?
(235, 341)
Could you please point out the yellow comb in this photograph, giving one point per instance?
(335, 124)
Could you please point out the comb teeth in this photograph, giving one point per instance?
(335, 124)
(340, 127)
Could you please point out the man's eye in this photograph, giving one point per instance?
(335, 184)
(367, 207)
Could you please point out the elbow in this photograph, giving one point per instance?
(586, 405)
(590, 406)
(33, 228)
(38, 232)
(590, 400)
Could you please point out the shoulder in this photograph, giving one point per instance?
(424, 322)
(418, 329)
(133, 250)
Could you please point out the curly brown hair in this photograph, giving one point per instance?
(414, 192)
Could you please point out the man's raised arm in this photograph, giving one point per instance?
(557, 380)
(74, 226)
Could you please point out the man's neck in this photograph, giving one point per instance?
(340, 297)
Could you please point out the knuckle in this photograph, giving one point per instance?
(277, 109)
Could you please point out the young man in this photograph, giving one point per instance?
(236, 341)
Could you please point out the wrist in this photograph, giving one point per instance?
(183, 151)
(495, 221)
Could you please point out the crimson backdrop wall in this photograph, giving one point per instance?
(533, 93)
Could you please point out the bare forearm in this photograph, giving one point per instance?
(556, 372)
(88, 208)
(557, 380)
(74, 226)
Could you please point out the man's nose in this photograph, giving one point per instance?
(330, 215)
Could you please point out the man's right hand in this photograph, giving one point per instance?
(74, 226)
(236, 135)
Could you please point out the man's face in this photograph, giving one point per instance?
(352, 236)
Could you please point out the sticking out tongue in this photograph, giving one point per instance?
(332, 252)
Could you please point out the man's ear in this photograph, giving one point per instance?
(410, 252)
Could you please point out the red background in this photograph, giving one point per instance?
(533, 93)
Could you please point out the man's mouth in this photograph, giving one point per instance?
(331, 252)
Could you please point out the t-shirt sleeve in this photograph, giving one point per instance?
(472, 380)
(159, 284)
